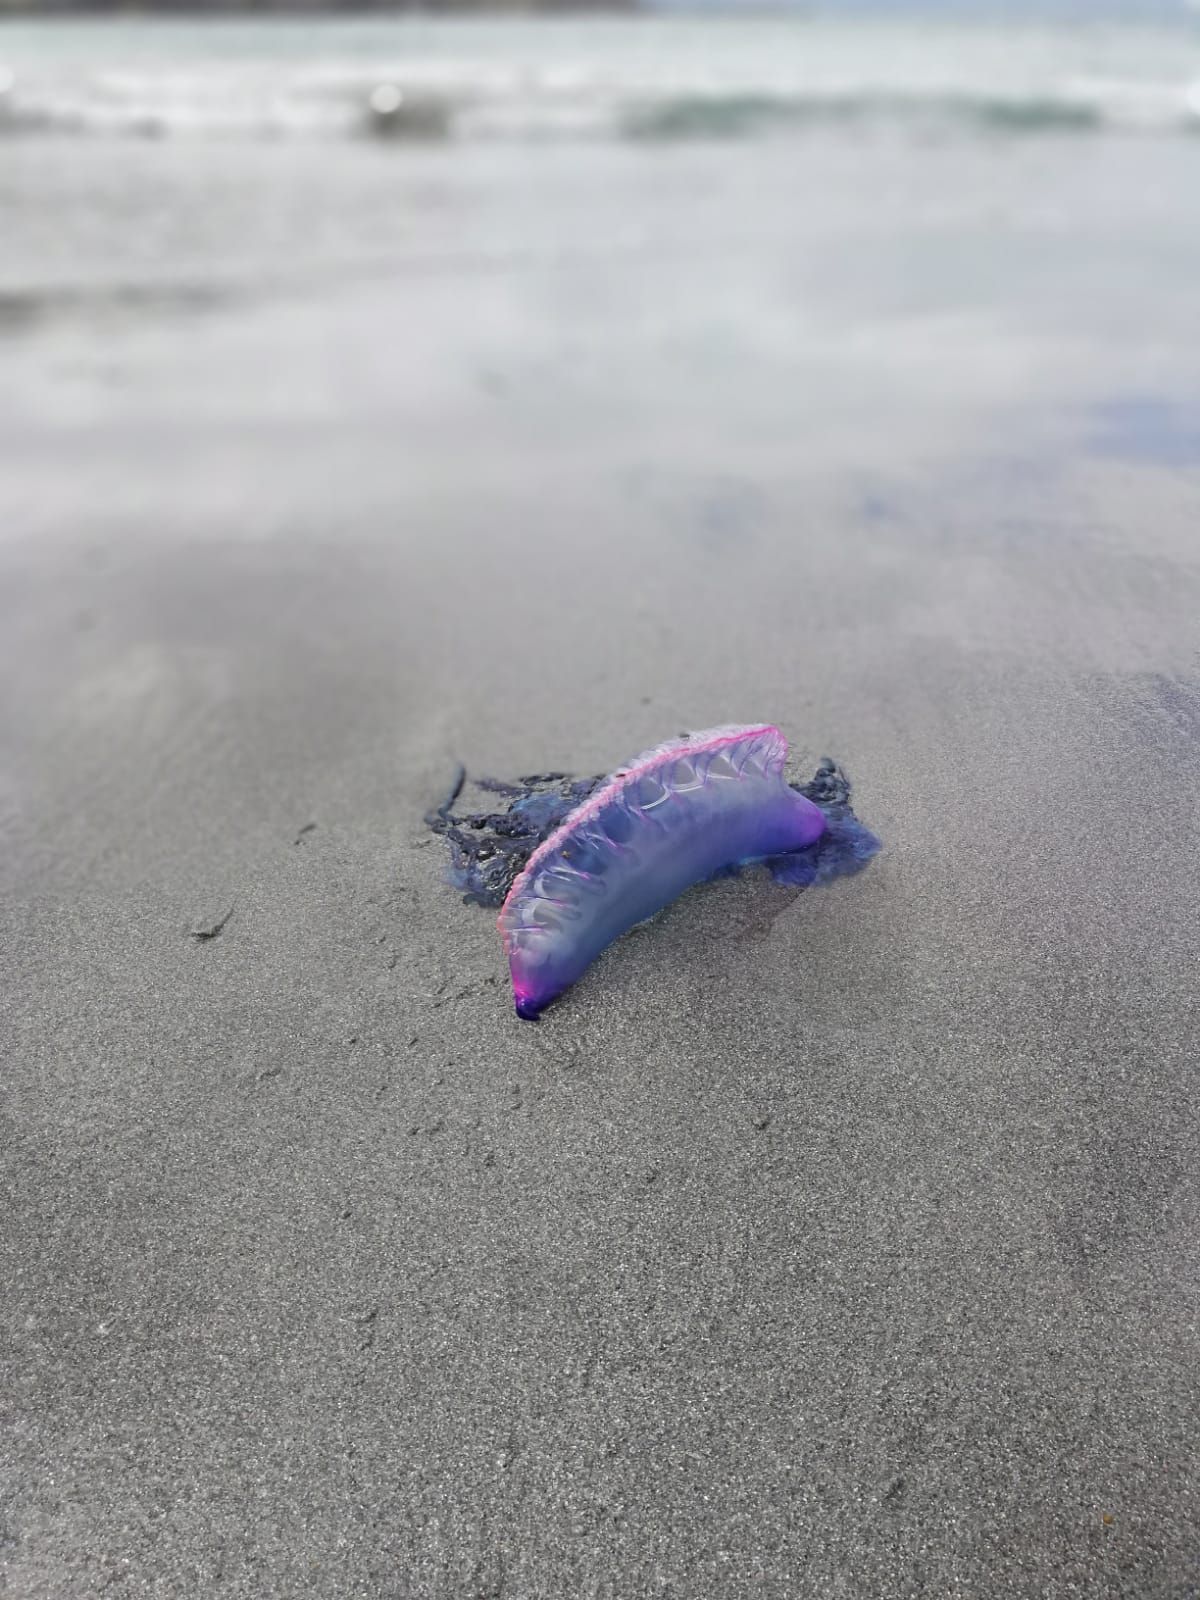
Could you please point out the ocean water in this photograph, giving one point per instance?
(188, 159)
(877, 228)
(673, 76)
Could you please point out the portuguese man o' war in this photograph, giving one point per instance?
(574, 863)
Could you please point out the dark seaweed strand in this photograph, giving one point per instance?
(436, 818)
(829, 787)
(489, 849)
(846, 845)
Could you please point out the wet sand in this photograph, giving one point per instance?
(830, 1244)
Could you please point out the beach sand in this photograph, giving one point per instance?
(841, 1243)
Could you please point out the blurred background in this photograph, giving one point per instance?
(655, 295)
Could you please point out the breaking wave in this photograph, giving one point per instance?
(442, 99)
